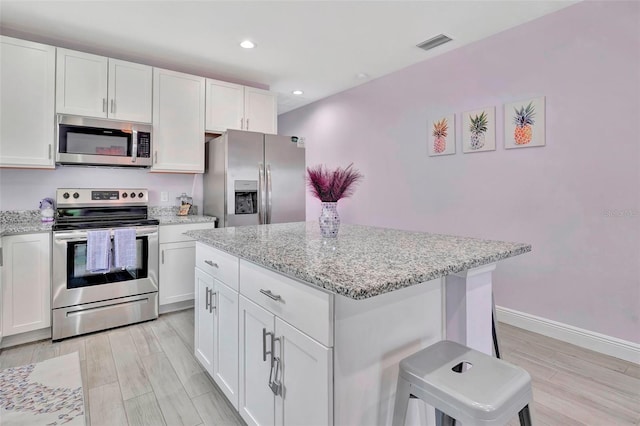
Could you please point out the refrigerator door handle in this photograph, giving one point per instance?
(261, 195)
(269, 186)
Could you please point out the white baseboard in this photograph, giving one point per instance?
(602, 343)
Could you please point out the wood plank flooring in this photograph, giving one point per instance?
(146, 374)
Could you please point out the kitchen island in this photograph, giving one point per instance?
(306, 330)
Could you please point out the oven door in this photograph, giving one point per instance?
(73, 284)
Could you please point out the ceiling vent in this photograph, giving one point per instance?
(433, 42)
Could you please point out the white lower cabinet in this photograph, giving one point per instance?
(26, 283)
(216, 332)
(285, 376)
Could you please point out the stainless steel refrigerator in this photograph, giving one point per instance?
(252, 178)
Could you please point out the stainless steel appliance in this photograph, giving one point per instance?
(252, 178)
(93, 141)
(85, 301)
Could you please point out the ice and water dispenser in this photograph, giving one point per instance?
(246, 196)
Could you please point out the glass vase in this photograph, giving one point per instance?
(329, 220)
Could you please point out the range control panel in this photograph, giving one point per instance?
(101, 196)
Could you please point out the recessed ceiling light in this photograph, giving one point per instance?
(362, 75)
(297, 92)
(248, 44)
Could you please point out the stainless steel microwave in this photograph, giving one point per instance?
(96, 142)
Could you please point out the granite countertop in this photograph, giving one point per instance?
(22, 222)
(363, 261)
(176, 220)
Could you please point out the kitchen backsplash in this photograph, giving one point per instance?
(22, 189)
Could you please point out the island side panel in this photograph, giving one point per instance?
(468, 308)
(371, 337)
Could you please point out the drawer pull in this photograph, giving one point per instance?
(211, 263)
(270, 295)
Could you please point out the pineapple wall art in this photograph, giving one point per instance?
(524, 123)
(479, 130)
(441, 137)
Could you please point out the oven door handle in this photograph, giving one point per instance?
(82, 235)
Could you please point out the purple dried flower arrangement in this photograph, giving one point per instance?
(331, 186)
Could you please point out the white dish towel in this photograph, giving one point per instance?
(124, 248)
(98, 251)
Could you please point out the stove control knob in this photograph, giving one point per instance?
(141, 195)
(65, 195)
(76, 195)
(133, 195)
(125, 195)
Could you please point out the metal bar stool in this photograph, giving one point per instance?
(463, 385)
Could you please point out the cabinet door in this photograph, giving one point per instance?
(203, 338)
(27, 101)
(178, 122)
(306, 375)
(225, 106)
(177, 261)
(26, 283)
(130, 91)
(257, 401)
(260, 110)
(225, 345)
(81, 83)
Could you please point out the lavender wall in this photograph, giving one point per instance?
(22, 189)
(577, 200)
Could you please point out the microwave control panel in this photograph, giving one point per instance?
(144, 144)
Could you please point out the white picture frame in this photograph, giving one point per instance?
(479, 141)
(438, 145)
(524, 123)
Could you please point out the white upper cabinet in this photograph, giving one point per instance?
(225, 106)
(260, 110)
(130, 91)
(178, 122)
(232, 106)
(95, 86)
(27, 101)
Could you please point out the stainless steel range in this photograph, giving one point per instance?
(85, 301)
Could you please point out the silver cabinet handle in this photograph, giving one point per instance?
(113, 109)
(207, 301)
(241, 123)
(49, 151)
(104, 104)
(264, 345)
(1, 258)
(274, 384)
(211, 263)
(212, 304)
(247, 124)
(162, 253)
(270, 295)
(155, 157)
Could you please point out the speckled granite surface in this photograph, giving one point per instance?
(169, 210)
(15, 222)
(177, 220)
(363, 261)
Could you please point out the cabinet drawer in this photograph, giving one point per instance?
(218, 264)
(302, 306)
(174, 233)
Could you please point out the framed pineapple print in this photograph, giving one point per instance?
(441, 138)
(479, 130)
(524, 123)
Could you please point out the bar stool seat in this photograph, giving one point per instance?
(464, 385)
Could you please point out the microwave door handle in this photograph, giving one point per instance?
(134, 148)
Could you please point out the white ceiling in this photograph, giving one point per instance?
(314, 46)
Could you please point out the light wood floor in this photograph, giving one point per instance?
(146, 374)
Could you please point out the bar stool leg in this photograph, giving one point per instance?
(403, 392)
(525, 416)
(494, 332)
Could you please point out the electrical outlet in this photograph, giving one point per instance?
(164, 196)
